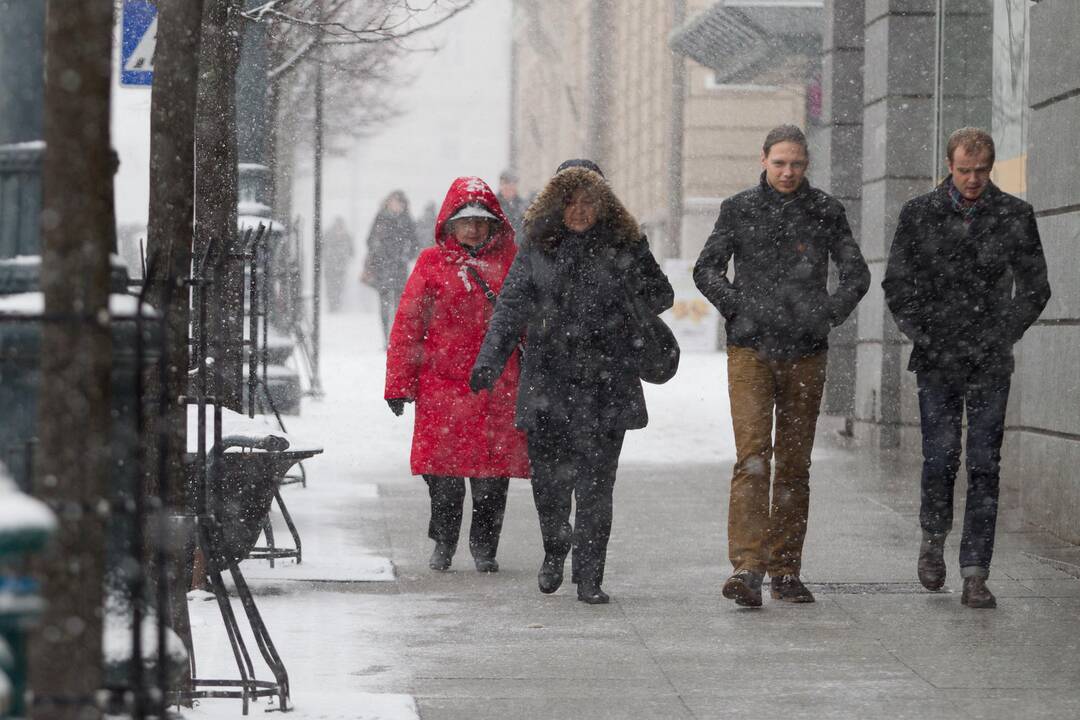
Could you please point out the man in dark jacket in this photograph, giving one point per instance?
(510, 201)
(781, 235)
(958, 254)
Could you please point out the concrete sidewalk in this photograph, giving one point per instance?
(875, 645)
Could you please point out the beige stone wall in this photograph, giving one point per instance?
(723, 126)
(641, 108)
(550, 38)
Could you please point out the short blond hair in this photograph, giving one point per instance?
(974, 140)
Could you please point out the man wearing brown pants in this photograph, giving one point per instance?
(781, 235)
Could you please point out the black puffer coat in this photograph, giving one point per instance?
(566, 293)
(778, 302)
(392, 244)
(950, 286)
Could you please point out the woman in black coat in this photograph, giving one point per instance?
(391, 245)
(566, 293)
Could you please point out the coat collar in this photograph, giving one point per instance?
(770, 196)
(943, 203)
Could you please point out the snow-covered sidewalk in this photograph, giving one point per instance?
(364, 637)
(313, 610)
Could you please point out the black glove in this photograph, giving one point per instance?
(482, 378)
(397, 405)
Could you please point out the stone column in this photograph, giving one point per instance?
(837, 167)
(898, 143)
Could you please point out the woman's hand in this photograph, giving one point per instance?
(482, 378)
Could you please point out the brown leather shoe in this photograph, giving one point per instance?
(932, 562)
(789, 588)
(976, 594)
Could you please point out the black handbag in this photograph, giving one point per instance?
(656, 351)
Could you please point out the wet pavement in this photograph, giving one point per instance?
(874, 645)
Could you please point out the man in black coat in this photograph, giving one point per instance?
(512, 204)
(781, 234)
(966, 278)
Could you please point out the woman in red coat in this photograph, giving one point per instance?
(440, 324)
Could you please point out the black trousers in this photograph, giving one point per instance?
(579, 465)
(941, 406)
(488, 507)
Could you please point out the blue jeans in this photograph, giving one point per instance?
(942, 400)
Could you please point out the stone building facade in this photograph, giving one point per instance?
(598, 78)
(896, 77)
(900, 75)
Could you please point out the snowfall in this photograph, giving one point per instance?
(306, 607)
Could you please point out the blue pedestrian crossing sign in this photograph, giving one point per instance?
(137, 42)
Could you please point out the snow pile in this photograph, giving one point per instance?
(25, 522)
(117, 644)
(323, 706)
(234, 424)
(33, 303)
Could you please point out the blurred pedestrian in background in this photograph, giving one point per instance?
(425, 224)
(444, 313)
(337, 252)
(512, 203)
(391, 245)
(583, 252)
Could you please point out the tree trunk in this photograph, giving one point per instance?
(216, 196)
(169, 241)
(74, 407)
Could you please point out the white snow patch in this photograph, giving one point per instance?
(20, 513)
(329, 641)
(233, 423)
(328, 564)
(33, 303)
(319, 706)
(116, 640)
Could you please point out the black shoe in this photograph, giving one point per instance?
(549, 579)
(592, 595)
(441, 557)
(976, 594)
(486, 565)
(932, 561)
(744, 587)
(789, 588)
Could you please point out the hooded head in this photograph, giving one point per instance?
(471, 197)
(544, 220)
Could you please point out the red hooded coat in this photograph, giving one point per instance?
(439, 327)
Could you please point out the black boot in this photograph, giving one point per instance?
(486, 564)
(441, 556)
(976, 594)
(591, 594)
(549, 579)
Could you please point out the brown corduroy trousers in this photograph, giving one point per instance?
(766, 536)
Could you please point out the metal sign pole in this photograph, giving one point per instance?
(316, 301)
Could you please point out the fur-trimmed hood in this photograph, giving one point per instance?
(543, 223)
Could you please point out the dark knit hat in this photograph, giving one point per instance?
(581, 163)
